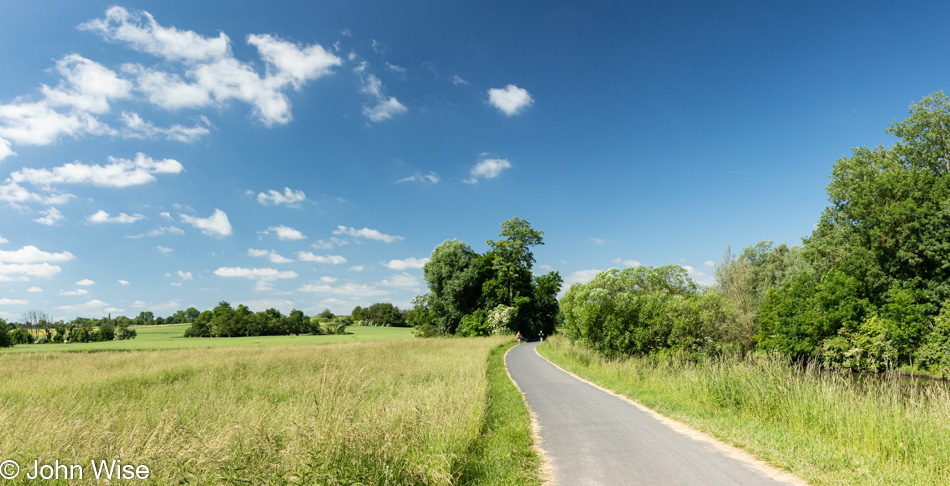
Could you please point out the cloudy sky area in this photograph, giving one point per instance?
(312, 156)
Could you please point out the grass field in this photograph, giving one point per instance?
(413, 411)
(171, 337)
(826, 427)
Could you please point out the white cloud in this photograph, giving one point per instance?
(89, 306)
(5, 150)
(103, 217)
(3, 240)
(327, 279)
(698, 276)
(85, 282)
(385, 107)
(306, 256)
(136, 127)
(32, 254)
(166, 215)
(356, 268)
(272, 255)
(216, 224)
(285, 233)
(139, 304)
(51, 217)
(16, 195)
(402, 280)
(88, 86)
(161, 230)
(7, 301)
(34, 290)
(511, 100)
(710, 264)
(212, 74)
(283, 305)
(348, 289)
(163, 249)
(327, 245)
(627, 263)
(580, 276)
(118, 173)
(175, 284)
(140, 30)
(185, 275)
(74, 292)
(487, 169)
(457, 80)
(289, 197)
(430, 178)
(123, 282)
(406, 264)
(597, 241)
(367, 233)
(263, 276)
(395, 68)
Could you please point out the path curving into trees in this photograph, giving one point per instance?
(592, 437)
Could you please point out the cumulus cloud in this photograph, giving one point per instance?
(356, 268)
(3, 240)
(487, 168)
(329, 244)
(348, 289)
(163, 249)
(384, 107)
(510, 100)
(123, 282)
(263, 276)
(367, 233)
(185, 275)
(272, 255)
(457, 80)
(34, 290)
(216, 224)
(580, 276)
(8, 301)
(92, 305)
(406, 264)
(117, 173)
(627, 263)
(403, 281)
(306, 256)
(289, 197)
(699, 276)
(85, 282)
(5, 150)
(212, 74)
(101, 216)
(136, 127)
(74, 292)
(285, 233)
(430, 178)
(161, 230)
(16, 195)
(50, 217)
(32, 254)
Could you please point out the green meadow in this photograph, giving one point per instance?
(371, 407)
(171, 337)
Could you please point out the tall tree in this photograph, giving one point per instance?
(455, 284)
(512, 254)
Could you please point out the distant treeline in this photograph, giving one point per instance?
(868, 290)
(225, 321)
(80, 330)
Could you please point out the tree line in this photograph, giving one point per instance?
(868, 290)
(226, 321)
(38, 328)
(473, 294)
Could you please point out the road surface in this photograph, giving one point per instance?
(591, 437)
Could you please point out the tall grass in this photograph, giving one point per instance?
(824, 426)
(398, 412)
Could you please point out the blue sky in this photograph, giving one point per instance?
(311, 155)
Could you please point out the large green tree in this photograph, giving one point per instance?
(455, 284)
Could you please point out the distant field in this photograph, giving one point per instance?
(171, 337)
(415, 411)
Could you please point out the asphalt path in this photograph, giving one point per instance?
(591, 437)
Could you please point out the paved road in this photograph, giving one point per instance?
(594, 438)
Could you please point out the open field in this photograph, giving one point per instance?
(391, 412)
(171, 337)
(826, 427)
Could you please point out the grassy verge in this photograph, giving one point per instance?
(171, 336)
(825, 427)
(503, 453)
(386, 412)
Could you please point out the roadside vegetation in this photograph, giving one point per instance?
(826, 426)
(868, 291)
(393, 412)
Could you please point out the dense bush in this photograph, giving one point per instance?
(645, 309)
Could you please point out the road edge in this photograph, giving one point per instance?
(547, 469)
(729, 450)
